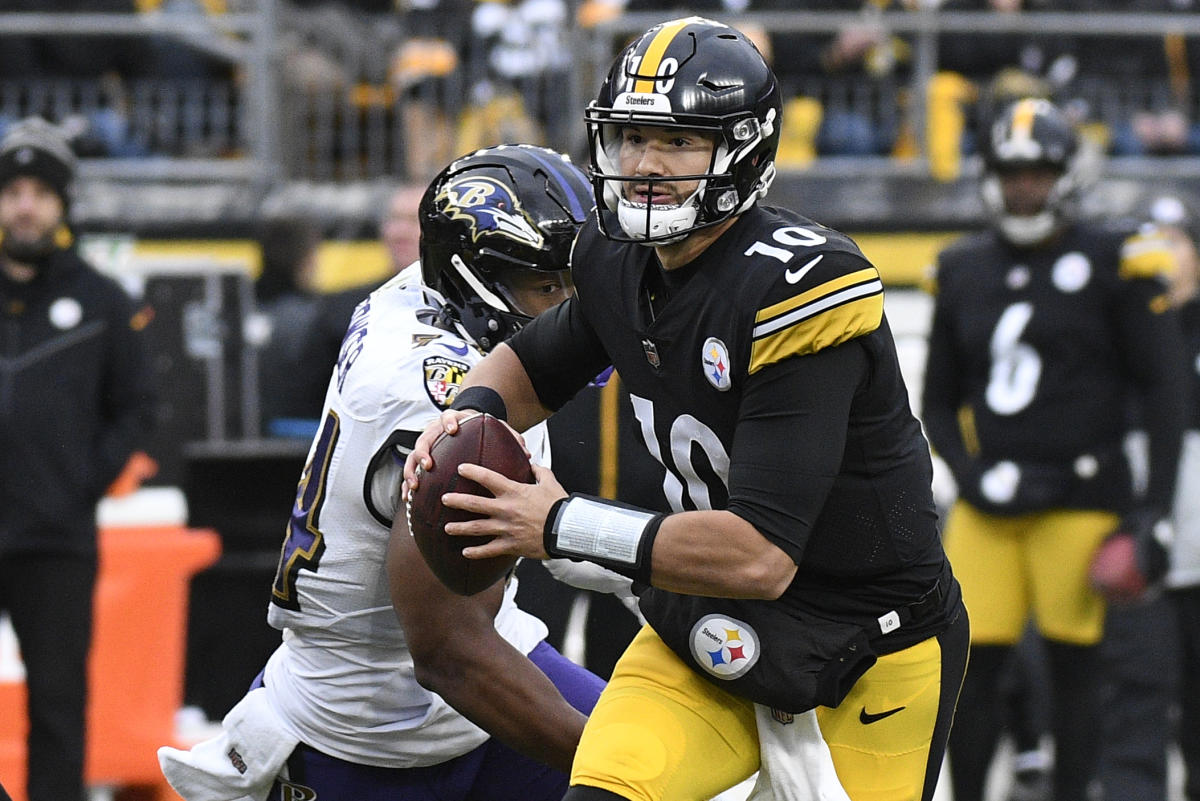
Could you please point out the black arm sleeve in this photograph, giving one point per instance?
(560, 352)
(790, 440)
(942, 396)
(1155, 354)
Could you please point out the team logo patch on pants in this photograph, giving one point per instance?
(296, 792)
(724, 647)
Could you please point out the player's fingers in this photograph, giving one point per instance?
(418, 459)
(490, 480)
(450, 418)
(495, 547)
(545, 477)
(467, 503)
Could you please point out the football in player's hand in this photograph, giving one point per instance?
(482, 440)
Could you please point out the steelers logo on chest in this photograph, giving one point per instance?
(1071, 272)
(714, 360)
(65, 313)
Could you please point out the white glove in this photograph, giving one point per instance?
(591, 576)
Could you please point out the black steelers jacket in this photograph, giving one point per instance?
(75, 400)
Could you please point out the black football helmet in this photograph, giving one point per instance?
(1031, 132)
(497, 210)
(695, 74)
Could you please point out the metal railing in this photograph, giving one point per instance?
(242, 119)
(260, 127)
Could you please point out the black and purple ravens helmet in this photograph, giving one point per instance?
(693, 74)
(504, 208)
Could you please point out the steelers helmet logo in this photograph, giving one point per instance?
(714, 357)
(490, 208)
(724, 647)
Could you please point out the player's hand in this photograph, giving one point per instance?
(1132, 561)
(419, 459)
(515, 518)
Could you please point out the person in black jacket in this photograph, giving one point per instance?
(75, 397)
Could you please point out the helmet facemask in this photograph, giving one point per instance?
(1025, 230)
(492, 302)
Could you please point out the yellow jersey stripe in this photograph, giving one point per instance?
(784, 308)
(1147, 255)
(654, 53)
(830, 321)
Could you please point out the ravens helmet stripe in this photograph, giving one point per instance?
(575, 187)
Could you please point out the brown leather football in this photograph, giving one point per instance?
(482, 440)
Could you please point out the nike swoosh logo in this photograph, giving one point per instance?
(794, 276)
(461, 350)
(866, 718)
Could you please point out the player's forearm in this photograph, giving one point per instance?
(458, 654)
(498, 689)
(713, 553)
(718, 554)
(502, 371)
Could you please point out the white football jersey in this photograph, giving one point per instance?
(343, 677)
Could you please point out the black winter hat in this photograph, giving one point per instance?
(35, 147)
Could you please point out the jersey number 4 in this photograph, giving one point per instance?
(304, 543)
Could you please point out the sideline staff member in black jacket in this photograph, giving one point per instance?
(74, 399)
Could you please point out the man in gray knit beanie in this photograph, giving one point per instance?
(34, 148)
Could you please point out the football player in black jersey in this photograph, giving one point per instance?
(1044, 329)
(797, 579)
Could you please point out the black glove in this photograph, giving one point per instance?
(1134, 558)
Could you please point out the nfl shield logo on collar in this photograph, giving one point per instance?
(651, 353)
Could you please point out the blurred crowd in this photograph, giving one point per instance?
(428, 79)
